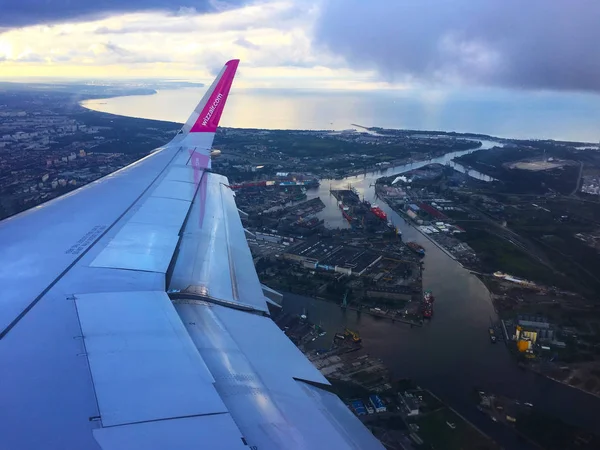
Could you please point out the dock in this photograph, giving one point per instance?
(384, 316)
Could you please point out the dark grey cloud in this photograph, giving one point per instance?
(19, 13)
(533, 44)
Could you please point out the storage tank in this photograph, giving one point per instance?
(523, 345)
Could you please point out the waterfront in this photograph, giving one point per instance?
(496, 112)
(451, 354)
(364, 185)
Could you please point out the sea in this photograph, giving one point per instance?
(495, 112)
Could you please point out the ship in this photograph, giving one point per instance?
(427, 310)
(427, 304)
(418, 249)
(299, 197)
(428, 296)
(379, 212)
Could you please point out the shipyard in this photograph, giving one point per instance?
(398, 411)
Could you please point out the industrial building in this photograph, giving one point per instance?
(411, 404)
(377, 403)
(399, 293)
(359, 408)
(531, 330)
(333, 257)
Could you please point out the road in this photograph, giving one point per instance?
(578, 179)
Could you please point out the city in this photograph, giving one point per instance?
(49, 145)
(311, 234)
(266, 224)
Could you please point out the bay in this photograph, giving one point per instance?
(504, 113)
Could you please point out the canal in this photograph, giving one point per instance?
(452, 354)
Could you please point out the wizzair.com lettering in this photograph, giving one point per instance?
(212, 109)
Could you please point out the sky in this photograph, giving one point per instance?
(334, 44)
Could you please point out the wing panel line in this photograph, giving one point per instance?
(171, 266)
(30, 306)
(234, 286)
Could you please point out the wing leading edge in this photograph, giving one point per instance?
(132, 317)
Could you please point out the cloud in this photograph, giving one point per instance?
(534, 44)
(116, 49)
(19, 13)
(243, 42)
(110, 53)
(31, 58)
(272, 38)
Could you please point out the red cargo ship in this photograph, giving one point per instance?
(427, 304)
(428, 312)
(379, 212)
(418, 249)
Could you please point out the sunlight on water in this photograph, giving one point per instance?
(499, 113)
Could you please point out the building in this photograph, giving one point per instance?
(410, 403)
(332, 257)
(377, 403)
(269, 237)
(359, 408)
(530, 330)
(398, 293)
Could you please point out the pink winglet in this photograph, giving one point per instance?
(208, 120)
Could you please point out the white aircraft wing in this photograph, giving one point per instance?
(131, 317)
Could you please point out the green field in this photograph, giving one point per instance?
(436, 433)
(496, 253)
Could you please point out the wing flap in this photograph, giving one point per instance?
(143, 362)
(178, 190)
(213, 257)
(191, 433)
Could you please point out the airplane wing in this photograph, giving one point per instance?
(131, 317)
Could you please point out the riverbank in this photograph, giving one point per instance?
(416, 227)
(457, 337)
(398, 412)
(563, 350)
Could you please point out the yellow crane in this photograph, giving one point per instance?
(354, 335)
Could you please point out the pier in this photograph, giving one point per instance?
(384, 316)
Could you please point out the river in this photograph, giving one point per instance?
(452, 354)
